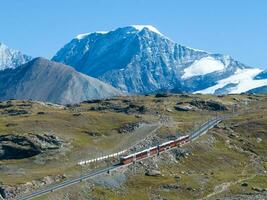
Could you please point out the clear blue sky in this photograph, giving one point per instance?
(234, 27)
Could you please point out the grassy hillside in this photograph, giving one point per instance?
(217, 164)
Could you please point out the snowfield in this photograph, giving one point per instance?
(243, 79)
(203, 66)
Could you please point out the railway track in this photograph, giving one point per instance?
(194, 135)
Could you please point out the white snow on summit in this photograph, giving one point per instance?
(82, 36)
(149, 27)
(243, 78)
(203, 66)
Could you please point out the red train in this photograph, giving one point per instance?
(154, 150)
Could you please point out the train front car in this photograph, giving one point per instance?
(183, 140)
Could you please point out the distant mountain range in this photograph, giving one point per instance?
(139, 59)
(44, 80)
(134, 59)
(10, 58)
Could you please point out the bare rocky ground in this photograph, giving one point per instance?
(255, 196)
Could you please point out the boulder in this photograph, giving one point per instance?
(152, 172)
(184, 108)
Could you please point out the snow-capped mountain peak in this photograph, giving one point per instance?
(140, 59)
(10, 58)
(149, 27)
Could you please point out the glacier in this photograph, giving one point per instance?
(242, 81)
(203, 66)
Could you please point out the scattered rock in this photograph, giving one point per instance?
(169, 110)
(257, 189)
(184, 108)
(180, 153)
(177, 177)
(127, 128)
(184, 96)
(259, 140)
(92, 101)
(93, 134)
(6, 105)
(244, 184)
(170, 187)
(189, 188)
(40, 113)
(15, 112)
(152, 172)
(11, 124)
(161, 95)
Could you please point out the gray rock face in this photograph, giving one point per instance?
(10, 58)
(19, 147)
(261, 90)
(44, 80)
(142, 60)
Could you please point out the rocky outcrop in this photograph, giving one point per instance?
(208, 105)
(197, 104)
(20, 146)
(125, 108)
(184, 108)
(12, 192)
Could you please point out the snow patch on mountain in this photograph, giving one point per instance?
(242, 81)
(84, 35)
(149, 27)
(203, 66)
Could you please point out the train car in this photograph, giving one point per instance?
(166, 145)
(154, 150)
(183, 140)
(142, 154)
(127, 159)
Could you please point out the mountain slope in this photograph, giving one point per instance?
(10, 58)
(44, 80)
(140, 59)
